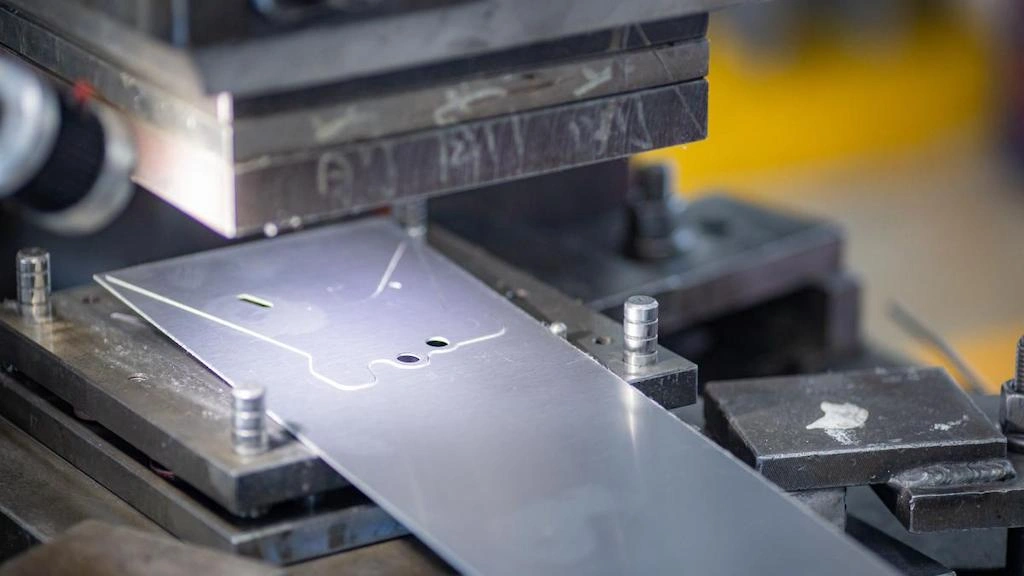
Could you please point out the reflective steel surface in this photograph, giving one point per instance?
(499, 444)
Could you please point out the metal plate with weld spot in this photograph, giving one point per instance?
(849, 428)
(506, 450)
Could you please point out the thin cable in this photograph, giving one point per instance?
(917, 330)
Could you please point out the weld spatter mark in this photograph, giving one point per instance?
(840, 420)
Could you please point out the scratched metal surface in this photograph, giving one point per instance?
(849, 428)
(355, 176)
(507, 451)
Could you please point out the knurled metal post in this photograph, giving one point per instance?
(34, 284)
(640, 331)
(249, 421)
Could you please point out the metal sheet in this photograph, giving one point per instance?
(507, 451)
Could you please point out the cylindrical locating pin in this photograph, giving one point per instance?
(640, 331)
(34, 284)
(249, 420)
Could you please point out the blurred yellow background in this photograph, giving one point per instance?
(888, 123)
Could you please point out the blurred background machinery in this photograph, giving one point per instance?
(852, 210)
(900, 121)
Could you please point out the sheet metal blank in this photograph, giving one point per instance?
(500, 445)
